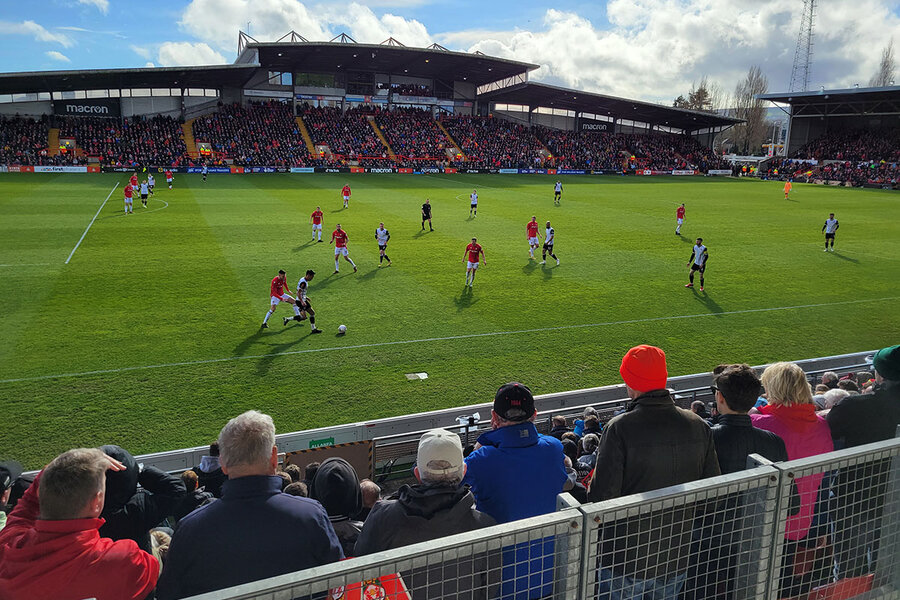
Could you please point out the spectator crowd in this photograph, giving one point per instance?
(137, 141)
(95, 523)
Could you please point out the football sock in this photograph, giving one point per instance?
(701, 281)
(692, 277)
(266, 320)
(350, 260)
(467, 277)
(388, 258)
(553, 256)
(381, 258)
(296, 310)
(312, 322)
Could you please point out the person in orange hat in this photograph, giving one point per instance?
(652, 445)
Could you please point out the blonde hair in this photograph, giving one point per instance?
(786, 384)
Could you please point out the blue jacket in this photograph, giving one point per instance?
(517, 473)
(253, 532)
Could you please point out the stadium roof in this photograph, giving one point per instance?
(213, 76)
(550, 96)
(434, 62)
(842, 102)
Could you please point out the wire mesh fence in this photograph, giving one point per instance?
(822, 527)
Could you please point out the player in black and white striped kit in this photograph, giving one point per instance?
(830, 228)
(557, 192)
(549, 238)
(382, 235)
(302, 307)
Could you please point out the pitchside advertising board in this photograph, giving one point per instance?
(93, 107)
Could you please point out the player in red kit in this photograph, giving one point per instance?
(339, 237)
(474, 253)
(533, 236)
(278, 295)
(679, 218)
(134, 181)
(317, 218)
(129, 195)
(345, 192)
(169, 178)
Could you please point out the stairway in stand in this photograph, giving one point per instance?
(53, 142)
(189, 142)
(454, 149)
(304, 133)
(381, 137)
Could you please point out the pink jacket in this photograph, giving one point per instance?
(804, 434)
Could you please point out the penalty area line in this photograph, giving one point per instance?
(441, 339)
(97, 214)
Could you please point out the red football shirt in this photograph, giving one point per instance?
(134, 181)
(339, 238)
(680, 212)
(532, 229)
(168, 174)
(317, 217)
(346, 190)
(277, 287)
(128, 190)
(474, 250)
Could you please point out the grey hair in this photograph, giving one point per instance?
(829, 376)
(247, 439)
(590, 442)
(590, 410)
(832, 397)
(448, 478)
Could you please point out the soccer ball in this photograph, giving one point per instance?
(342, 329)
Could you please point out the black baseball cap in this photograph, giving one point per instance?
(514, 402)
(9, 472)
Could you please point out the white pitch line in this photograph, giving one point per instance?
(439, 339)
(147, 212)
(91, 223)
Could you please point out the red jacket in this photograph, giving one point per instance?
(68, 560)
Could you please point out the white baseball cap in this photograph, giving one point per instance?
(440, 453)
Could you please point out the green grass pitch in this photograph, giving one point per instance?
(153, 326)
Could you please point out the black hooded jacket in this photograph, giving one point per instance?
(131, 513)
(424, 512)
(336, 487)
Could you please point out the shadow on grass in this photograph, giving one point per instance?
(274, 350)
(529, 267)
(465, 299)
(259, 334)
(421, 232)
(304, 246)
(331, 278)
(547, 271)
(842, 257)
(707, 301)
(686, 239)
(369, 275)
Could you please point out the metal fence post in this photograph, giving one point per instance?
(776, 550)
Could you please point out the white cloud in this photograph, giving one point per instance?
(102, 5)
(655, 49)
(34, 30)
(150, 64)
(141, 51)
(57, 56)
(651, 49)
(173, 54)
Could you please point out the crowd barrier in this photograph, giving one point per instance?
(723, 537)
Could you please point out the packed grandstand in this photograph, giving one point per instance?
(266, 134)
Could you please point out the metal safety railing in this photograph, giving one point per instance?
(730, 537)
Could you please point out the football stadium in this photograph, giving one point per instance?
(480, 336)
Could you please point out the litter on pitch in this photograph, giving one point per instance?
(414, 376)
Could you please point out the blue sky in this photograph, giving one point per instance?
(648, 49)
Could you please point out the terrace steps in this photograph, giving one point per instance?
(380, 136)
(454, 147)
(53, 141)
(189, 142)
(304, 133)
